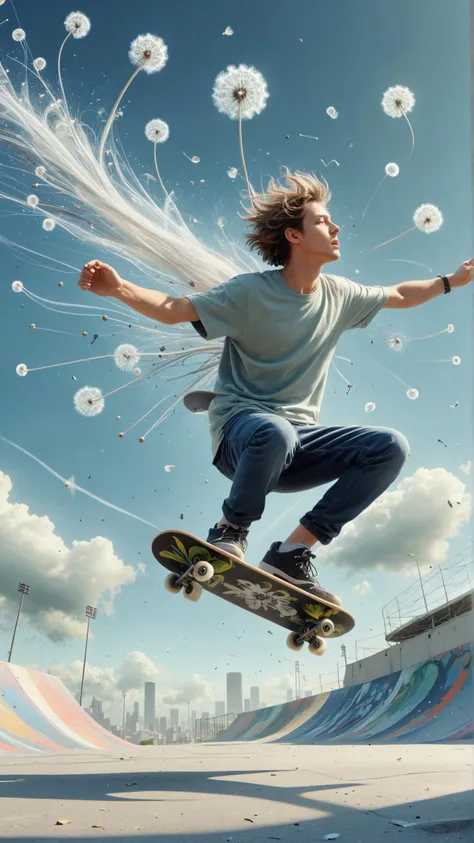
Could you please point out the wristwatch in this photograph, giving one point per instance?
(447, 285)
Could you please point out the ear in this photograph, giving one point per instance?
(292, 235)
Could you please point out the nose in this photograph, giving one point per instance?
(336, 230)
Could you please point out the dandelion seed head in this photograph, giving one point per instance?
(412, 394)
(89, 401)
(369, 407)
(21, 370)
(169, 468)
(157, 131)
(150, 50)
(32, 326)
(137, 370)
(18, 34)
(126, 357)
(450, 329)
(39, 63)
(392, 169)
(220, 222)
(428, 218)
(240, 86)
(77, 24)
(331, 112)
(49, 224)
(17, 286)
(40, 172)
(397, 100)
(228, 31)
(195, 159)
(32, 200)
(397, 342)
(456, 360)
(232, 172)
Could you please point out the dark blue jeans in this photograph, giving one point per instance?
(262, 452)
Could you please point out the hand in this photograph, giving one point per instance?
(463, 275)
(100, 278)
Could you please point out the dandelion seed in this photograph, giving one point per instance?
(412, 394)
(312, 137)
(220, 222)
(456, 361)
(49, 224)
(137, 370)
(169, 468)
(228, 31)
(157, 131)
(240, 93)
(369, 407)
(32, 200)
(21, 370)
(427, 218)
(331, 111)
(17, 286)
(39, 64)
(32, 326)
(396, 342)
(77, 24)
(232, 172)
(448, 330)
(40, 172)
(88, 401)
(397, 102)
(195, 159)
(18, 34)
(391, 170)
(332, 161)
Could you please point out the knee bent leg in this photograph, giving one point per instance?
(398, 445)
(278, 437)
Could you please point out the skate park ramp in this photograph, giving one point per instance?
(429, 702)
(38, 715)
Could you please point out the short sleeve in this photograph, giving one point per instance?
(222, 310)
(362, 304)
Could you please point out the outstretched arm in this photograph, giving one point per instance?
(412, 293)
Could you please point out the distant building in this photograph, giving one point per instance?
(254, 697)
(220, 708)
(234, 693)
(174, 717)
(247, 704)
(308, 693)
(163, 726)
(150, 704)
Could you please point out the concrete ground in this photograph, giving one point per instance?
(241, 793)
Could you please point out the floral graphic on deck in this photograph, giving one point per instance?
(198, 553)
(260, 596)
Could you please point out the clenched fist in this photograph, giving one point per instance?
(100, 278)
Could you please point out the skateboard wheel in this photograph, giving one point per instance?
(317, 646)
(170, 584)
(192, 591)
(326, 627)
(291, 642)
(203, 572)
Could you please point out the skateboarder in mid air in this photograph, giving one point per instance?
(281, 327)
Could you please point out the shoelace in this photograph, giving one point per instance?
(238, 533)
(307, 567)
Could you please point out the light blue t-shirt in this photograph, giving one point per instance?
(278, 342)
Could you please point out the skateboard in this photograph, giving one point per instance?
(198, 401)
(196, 565)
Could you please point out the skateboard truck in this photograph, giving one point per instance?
(190, 580)
(317, 644)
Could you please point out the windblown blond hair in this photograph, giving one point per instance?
(282, 207)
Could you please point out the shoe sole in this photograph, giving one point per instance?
(233, 549)
(277, 572)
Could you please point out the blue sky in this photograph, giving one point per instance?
(344, 54)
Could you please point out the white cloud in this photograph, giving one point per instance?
(362, 588)
(63, 579)
(413, 518)
(466, 467)
(194, 689)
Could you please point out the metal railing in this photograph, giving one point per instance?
(208, 728)
(436, 589)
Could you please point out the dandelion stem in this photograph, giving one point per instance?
(112, 114)
(66, 108)
(241, 145)
(412, 135)
(373, 194)
(390, 241)
(157, 170)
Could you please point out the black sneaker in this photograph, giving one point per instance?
(229, 539)
(296, 567)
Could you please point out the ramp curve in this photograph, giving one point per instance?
(429, 702)
(38, 715)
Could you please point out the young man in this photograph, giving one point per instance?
(281, 327)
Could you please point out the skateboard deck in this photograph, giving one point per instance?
(200, 565)
(198, 401)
